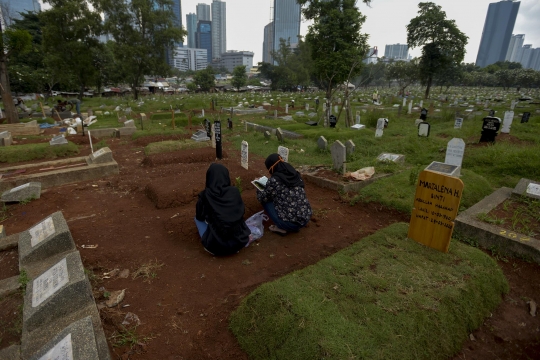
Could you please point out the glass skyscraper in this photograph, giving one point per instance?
(203, 12)
(177, 10)
(287, 18)
(204, 37)
(191, 26)
(498, 28)
(219, 28)
(397, 52)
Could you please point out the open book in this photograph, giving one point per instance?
(260, 183)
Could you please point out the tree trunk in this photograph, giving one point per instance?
(430, 80)
(81, 92)
(10, 112)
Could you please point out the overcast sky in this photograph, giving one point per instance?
(386, 22)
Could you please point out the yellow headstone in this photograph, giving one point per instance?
(436, 204)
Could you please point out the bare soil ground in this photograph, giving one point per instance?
(142, 220)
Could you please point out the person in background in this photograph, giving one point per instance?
(220, 214)
(284, 198)
(77, 104)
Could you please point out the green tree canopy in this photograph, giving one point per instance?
(443, 44)
(405, 73)
(144, 36)
(239, 78)
(205, 79)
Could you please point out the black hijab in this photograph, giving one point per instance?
(224, 199)
(285, 172)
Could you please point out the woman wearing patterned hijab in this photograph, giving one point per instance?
(284, 197)
(220, 214)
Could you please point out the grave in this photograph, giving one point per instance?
(129, 123)
(5, 138)
(442, 168)
(349, 144)
(458, 123)
(101, 156)
(322, 143)
(339, 156)
(31, 190)
(244, 155)
(380, 127)
(279, 134)
(200, 135)
(529, 188)
(490, 127)
(423, 129)
(267, 135)
(58, 140)
(284, 153)
(423, 114)
(524, 118)
(45, 239)
(454, 153)
(418, 122)
(333, 121)
(507, 121)
(397, 158)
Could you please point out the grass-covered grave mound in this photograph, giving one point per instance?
(385, 297)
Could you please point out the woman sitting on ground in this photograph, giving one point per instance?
(220, 214)
(284, 197)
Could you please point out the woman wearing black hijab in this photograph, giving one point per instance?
(220, 214)
(284, 197)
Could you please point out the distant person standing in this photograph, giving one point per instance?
(375, 97)
(77, 104)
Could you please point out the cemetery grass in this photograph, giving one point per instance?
(521, 215)
(40, 151)
(383, 297)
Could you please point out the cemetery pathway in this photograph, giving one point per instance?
(142, 219)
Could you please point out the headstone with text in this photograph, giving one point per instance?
(455, 152)
(490, 127)
(284, 153)
(507, 122)
(528, 188)
(339, 156)
(31, 190)
(333, 121)
(424, 129)
(458, 123)
(218, 139)
(244, 155)
(436, 204)
(380, 127)
(101, 156)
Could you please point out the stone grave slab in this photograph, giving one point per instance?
(58, 140)
(58, 291)
(5, 138)
(322, 143)
(349, 144)
(76, 341)
(284, 153)
(490, 127)
(445, 169)
(279, 134)
(529, 188)
(47, 238)
(358, 126)
(129, 123)
(200, 135)
(525, 117)
(454, 153)
(418, 122)
(339, 156)
(12, 352)
(22, 192)
(380, 127)
(244, 153)
(423, 129)
(267, 135)
(507, 122)
(397, 158)
(122, 119)
(101, 156)
(458, 123)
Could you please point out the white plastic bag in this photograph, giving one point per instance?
(255, 224)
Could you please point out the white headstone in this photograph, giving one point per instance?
(339, 156)
(409, 111)
(336, 109)
(423, 129)
(507, 122)
(421, 103)
(454, 152)
(284, 153)
(404, 101)
(307, 107)
(324, 106)
(286, 108)
(41, 231)
(244, 155)
(357, 117)
(202, 112)
(49, 282)
(533, 189)
(458, 123)
(322, 143)
(61, 351)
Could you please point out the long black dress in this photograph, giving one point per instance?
(221, 206)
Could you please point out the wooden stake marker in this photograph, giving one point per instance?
(436, 204)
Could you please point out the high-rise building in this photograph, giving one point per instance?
(397, 52)
(186, 58)
(515, 48)
(233, 58)
(177, 11)
(498, 27)
(203, 12)
(191, 26)
(526, 55)
(204, 38)
(534, 63)
(371, 56)
(268, 43)
(11, 9)
(287, 17)
(219, 28)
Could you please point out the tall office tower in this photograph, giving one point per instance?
(515, 48)
(219, 28)
(500, 20)
(185, 59)
(397, 52)
(526, 56)
(204, 38)
(287, 18)
(233, 58)
(191, 26)
(177, 21)
(534, 63)
(11, 9)
(268, 43)
(203, 12)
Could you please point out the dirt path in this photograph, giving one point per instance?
(145, 215)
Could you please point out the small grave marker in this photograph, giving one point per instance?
(454, 153)
(491, 113)
(212, 129)
(208, 128)
(339, 156)
(349, 144)
(333, 121)
(436, 205)
(391, 157)
(423, 129)
(284, 153)
(490, 127)
(322, 143)
(200, 135)
(380, 127)
(409, 110)
(267, 135)
(217, 131)
(5, 138)
(279, 134)
(286, 108)
(527, 188)
(244, 155)
(357, 117)
(525, 117)
(423, 114)
(507, 122)
(22, 192)
(458, 123)
(58, 140)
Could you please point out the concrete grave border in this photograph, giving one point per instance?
(310, 175)
(491, 236)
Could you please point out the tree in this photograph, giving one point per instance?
(70, 31)
(239, 78)
(144, 35)
(205, 79)
(404, 73)
(11, 42)
(443, 44)
(336, 43)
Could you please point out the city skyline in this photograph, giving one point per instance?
(385, 23)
